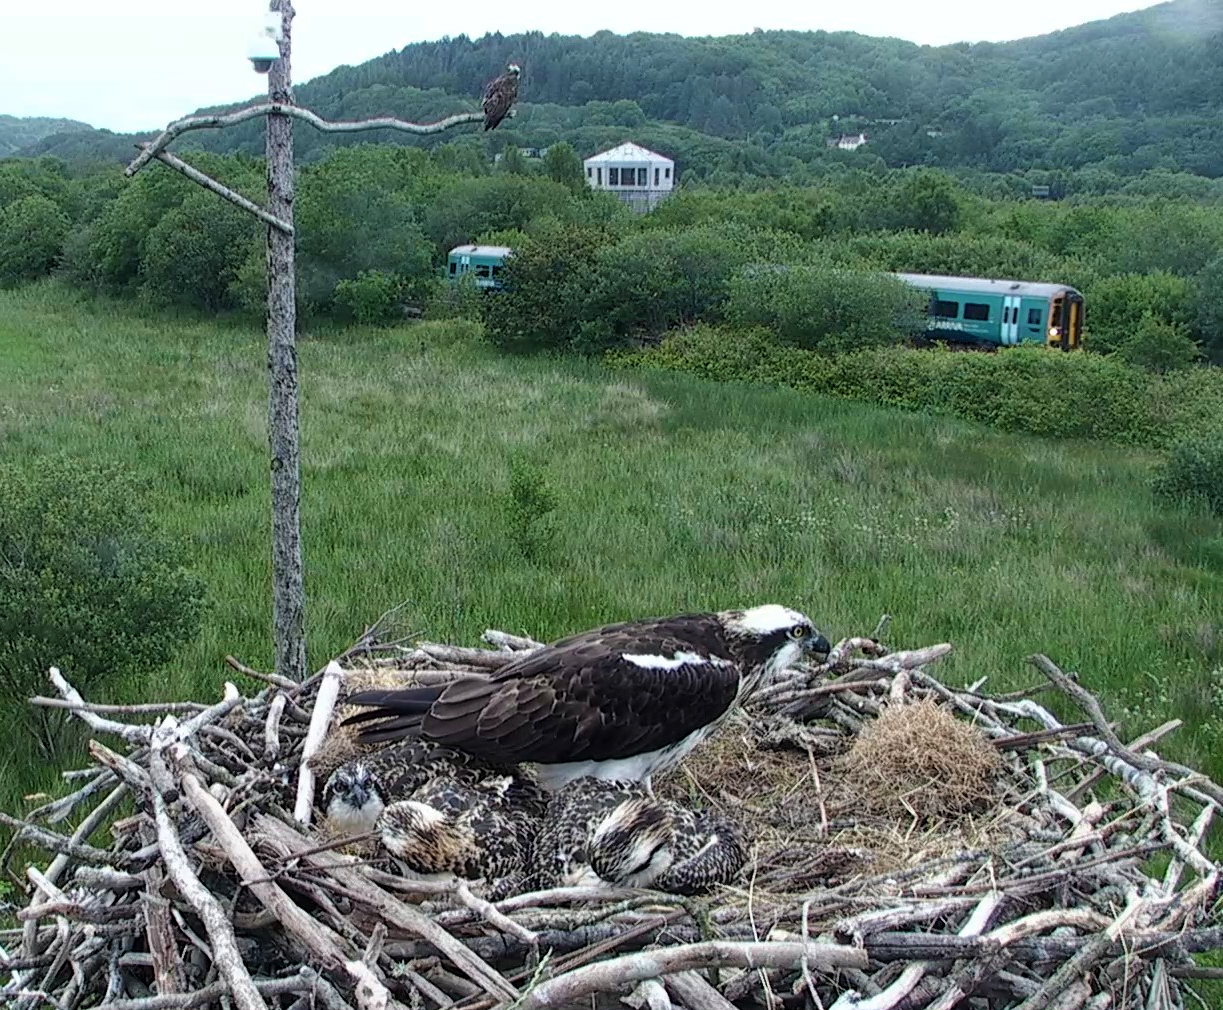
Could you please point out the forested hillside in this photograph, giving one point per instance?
(18, 133)
(1135, 92)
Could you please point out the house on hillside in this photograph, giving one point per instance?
(639, 177)
(848, 141)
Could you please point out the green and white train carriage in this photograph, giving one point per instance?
(1001, 313)
(482, 261)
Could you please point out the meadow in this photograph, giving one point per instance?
(544, 496)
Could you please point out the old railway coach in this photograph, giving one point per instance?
(1000, 313)
(484, 262)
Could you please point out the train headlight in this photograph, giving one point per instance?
(1054, 332)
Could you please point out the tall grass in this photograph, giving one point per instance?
(546, 496)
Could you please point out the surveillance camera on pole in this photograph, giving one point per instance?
(264, 48)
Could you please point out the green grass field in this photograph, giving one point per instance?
(669, 493)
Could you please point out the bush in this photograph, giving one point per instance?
(88, 584)
(1158, 345)
(1117, 303)
(374, 296)
(656, 280)
(540, 307)
(1193, 472)
(32, 234)
(1028, 389)
(825, 308)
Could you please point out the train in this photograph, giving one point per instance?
(984, 313)
(484, 262)
(973, 312)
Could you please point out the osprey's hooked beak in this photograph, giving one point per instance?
(818, 646)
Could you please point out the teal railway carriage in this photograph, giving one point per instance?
(483, 261)
(1001, 313)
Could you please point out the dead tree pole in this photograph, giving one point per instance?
(288, 589)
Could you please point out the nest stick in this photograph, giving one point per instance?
(226, 957)
(604, 976)
(320, 719)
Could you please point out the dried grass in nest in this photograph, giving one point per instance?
(215, 894)
(917, 762)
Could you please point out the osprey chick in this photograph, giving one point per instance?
(474, 830)
(597, 832)
(620, 702)
(499, 95)
(358, 791)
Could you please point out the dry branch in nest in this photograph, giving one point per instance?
(912, 845)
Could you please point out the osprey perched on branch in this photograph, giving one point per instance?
(499, 95)
(619, 703)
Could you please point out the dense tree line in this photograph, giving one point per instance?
(1139, 92)
(376, 221)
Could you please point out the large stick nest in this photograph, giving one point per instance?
(911, 845)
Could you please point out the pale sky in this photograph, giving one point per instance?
(146, 63)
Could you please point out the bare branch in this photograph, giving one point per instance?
(223, 191)
(216, 122)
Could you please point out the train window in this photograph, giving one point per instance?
(1033, 317)
(976, 310)
(496, 270)
(481, 269)
(613, 177)
(946, 310)
(453, 266)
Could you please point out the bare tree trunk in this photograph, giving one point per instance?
(288, 594)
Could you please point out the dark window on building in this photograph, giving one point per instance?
(946, 310)
(589, 172)
(976, 310)
(613, 177)
(666, 173)
(599, 176)
(655, 176)
(1033, 317)
(643, 175)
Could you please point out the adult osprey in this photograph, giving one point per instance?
(499, 95)
(620, 703)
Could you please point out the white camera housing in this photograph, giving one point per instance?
(264, 48)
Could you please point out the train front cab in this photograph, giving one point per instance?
(1066, 320)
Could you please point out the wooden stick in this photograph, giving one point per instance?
(605, 976)
(217, 121)
(320, 719)
(226, 957)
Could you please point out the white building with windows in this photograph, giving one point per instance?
(637, 176)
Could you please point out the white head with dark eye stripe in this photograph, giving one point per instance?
(773, 637)
(353, 800)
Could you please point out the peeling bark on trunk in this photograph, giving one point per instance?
(288, 595)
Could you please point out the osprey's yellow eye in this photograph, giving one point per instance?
(798, 631)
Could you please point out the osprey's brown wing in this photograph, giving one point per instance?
(579, 699)
(499, 96)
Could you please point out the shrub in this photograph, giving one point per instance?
(825, 308)
(1158, 345)
(374, 296)
(656, 280)
(1029, 389)
(541, 305)
(88, 584)
(32, 234)
(1193, 472)
(1117, 303)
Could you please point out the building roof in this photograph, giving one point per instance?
(628, 151)
(981, 285)
(482, 250)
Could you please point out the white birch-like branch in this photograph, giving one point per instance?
(223, 191)
(217, 121)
